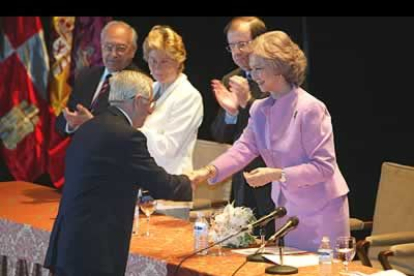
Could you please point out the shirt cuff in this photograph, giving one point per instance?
(70, 130)
(230, 119)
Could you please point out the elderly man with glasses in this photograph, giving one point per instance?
(90, 93)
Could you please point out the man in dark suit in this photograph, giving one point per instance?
(90, 93)
(106, 161)
(235, 94)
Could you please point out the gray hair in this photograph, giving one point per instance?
(126, 84)
(126, 26)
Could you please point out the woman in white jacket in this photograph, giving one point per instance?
(171, 129)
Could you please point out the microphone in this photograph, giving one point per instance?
(277, 213)
(289, 225)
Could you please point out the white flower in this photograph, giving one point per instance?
(229, 222)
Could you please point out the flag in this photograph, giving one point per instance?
(76, 44)
(24, 112)
(59, 90)
(87, 43)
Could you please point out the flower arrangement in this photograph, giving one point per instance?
(231, 220)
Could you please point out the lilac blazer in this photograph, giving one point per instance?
(295, 133)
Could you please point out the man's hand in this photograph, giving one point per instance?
(201, 175)
(261, 176)
(240, 87)
(226, 99)
(78, 117)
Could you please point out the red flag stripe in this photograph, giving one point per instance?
(20, 29)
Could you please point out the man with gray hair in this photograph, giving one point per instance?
(106, 162)
(90, 92)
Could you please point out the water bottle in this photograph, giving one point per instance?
(325, 254)
(200, 233)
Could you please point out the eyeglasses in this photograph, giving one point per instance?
(241, 46)
(120, 49)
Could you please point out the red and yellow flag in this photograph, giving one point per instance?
(24, 109)
(75, 44)
(59, 91)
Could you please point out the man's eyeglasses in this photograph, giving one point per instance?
(120, 49)
(241, 46)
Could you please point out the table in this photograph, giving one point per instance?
(27, 213)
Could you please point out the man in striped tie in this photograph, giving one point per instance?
(91, 89)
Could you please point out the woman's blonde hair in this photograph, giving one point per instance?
(165, 39)
(278, 49)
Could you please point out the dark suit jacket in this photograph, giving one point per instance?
(83, 91)
(106, 162)
(258, 199)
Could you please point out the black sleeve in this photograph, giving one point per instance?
(155, 179)
(61, 120)
(82, 93)
(222, 132)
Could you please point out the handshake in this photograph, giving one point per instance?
(198, 176)
(256, 178)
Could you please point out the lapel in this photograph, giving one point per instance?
(91, 85)
(280, 114)
(160, 99)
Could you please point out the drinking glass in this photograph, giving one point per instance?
(345, 247)
(147, 205)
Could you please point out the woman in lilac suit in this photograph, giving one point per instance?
(292, 131)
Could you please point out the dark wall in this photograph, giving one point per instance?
(360, 67)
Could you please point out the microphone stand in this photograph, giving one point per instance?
(210, 246)
(257, 256)
(281, 269)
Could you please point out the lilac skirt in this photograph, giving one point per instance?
(331, 220)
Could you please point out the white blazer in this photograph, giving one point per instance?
(172, 128)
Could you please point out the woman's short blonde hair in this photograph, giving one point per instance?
(165, 39)
(278, 49)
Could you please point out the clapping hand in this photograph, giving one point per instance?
(226, 99)
(240, 87)
(261, 176)
(78, 117)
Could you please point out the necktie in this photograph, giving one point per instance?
(102, 92)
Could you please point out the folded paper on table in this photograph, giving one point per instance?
(298, 260)
(178, 209)
(270, 250)
(391, 272)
